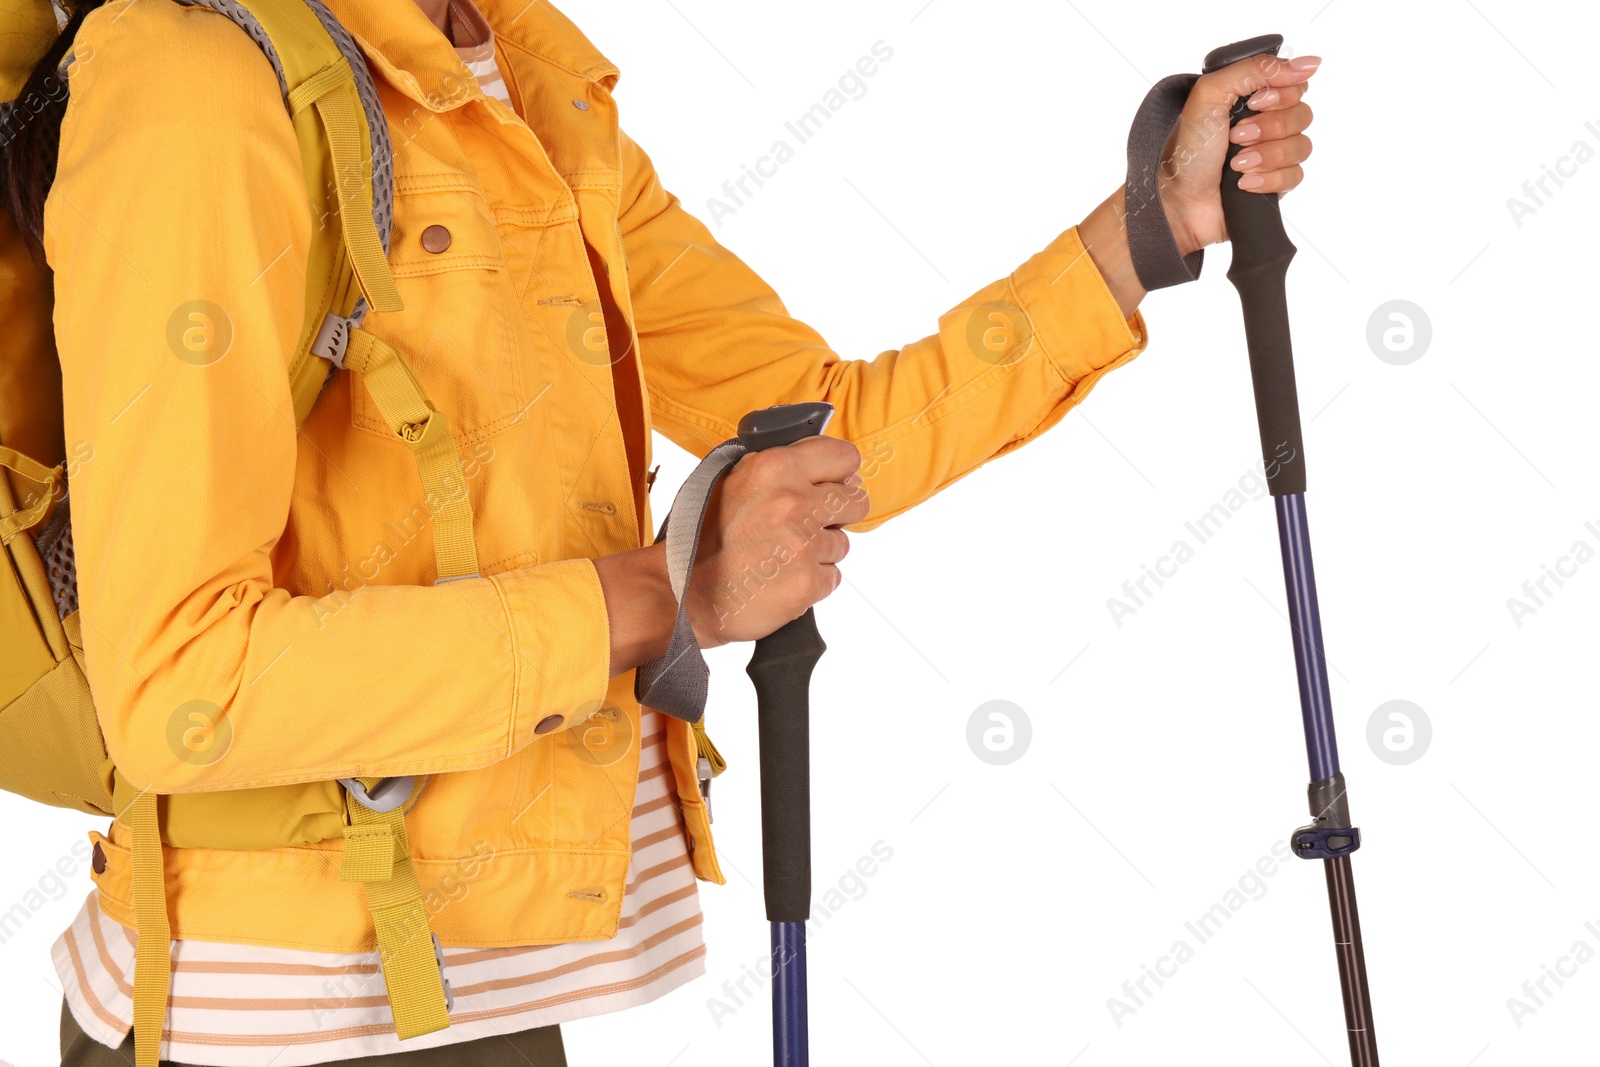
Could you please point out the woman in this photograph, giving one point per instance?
(558, 305)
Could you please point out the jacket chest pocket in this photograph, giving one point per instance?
(460, 327)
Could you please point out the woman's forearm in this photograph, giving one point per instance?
(639, 604)
(1105, 237)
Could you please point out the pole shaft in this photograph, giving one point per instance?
(790, 1040)
(1352, 962)
(1305, 621)
(1322, 752)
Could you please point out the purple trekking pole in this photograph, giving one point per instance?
(781, 669)
(1261, 255)
(677, 683)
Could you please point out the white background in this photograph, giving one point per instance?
(1167, 758)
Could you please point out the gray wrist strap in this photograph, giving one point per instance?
(1150, 241)
(677, 683)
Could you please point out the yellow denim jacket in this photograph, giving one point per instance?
(284, 580)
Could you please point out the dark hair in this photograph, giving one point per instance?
(30, 136)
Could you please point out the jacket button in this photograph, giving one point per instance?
(548, 723)
(581, 105)
(98, 860)
(436, 239)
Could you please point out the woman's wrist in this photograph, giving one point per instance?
(639, 604)
(1104, 233)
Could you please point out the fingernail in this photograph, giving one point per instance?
(1244, 133)
(1246, 160)
(1264, 98)
(1252, 181)
(1305, 62)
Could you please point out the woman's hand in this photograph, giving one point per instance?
(1275, 143)
(772, 542)
(769, 549)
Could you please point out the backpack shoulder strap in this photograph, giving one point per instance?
(349, 172)
(346, 156)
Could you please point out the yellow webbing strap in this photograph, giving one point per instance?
(333, 92)
(34, 471)
(706, 750)
(152, 958)
(377, 854)
(404, 405)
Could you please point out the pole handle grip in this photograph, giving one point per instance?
(780, 669)
(1261, 255)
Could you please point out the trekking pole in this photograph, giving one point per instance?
(1261, 255)
(781, 671)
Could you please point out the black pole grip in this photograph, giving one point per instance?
(781, 669)
(1261, 255)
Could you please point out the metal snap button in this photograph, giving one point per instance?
(581, 105)
(436, 239)
(548, 723)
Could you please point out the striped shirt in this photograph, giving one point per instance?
(474, 42)
(246, 1006)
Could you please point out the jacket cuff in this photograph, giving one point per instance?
(561, 643)
(1075, 320)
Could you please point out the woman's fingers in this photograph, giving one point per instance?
(1266, 80)
(1273, 181)
(1272, 125)
(1273, 155)
(1274, 98)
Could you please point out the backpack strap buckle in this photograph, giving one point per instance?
(384, 796)
(333, 338)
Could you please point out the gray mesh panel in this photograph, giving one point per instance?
(382, 151)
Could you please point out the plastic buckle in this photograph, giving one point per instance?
(333, 337)
(703, 769)
(449, 994)
(1317, 842)
(385, 797)
(456, 578)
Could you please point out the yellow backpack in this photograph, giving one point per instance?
(51, 747)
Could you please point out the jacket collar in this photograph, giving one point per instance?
(537, 26)
(414, 57)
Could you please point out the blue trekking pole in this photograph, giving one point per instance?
(676, 683)
(1261, 255)
(781, 672)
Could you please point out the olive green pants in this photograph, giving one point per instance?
(531, 1048)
